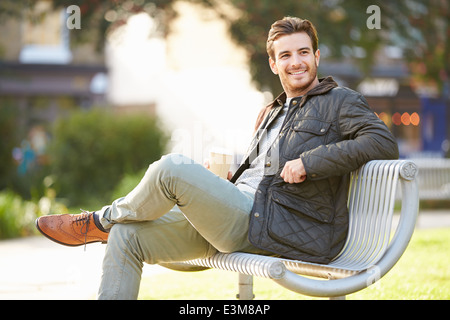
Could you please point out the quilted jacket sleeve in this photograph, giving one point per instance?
(363, 137)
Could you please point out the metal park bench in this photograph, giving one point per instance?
(369, 252)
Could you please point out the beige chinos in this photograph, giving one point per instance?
(179, 211)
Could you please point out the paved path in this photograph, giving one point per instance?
(36, 268)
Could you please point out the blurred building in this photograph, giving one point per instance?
(418, 119)
(42, 75)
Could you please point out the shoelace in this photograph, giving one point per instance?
(84, 219)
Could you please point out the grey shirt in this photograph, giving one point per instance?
(250, 178)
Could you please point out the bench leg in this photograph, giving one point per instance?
(337, 298)
(245, 287)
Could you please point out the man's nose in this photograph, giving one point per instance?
(296, 61)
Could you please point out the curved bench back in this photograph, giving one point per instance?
(371, 205)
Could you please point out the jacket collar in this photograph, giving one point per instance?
(325, 85)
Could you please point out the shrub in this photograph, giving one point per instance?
(8, 139)
(126, 185)
(92, 151)
(17, 216)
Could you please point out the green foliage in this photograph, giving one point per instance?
(419, 27)
(126, 184)
(17, 216)
(92, 151)
(98, 18)
(13, 212)
(8, 139)
(24, 180)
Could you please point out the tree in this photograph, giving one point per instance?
(419, 27)
(99, 17)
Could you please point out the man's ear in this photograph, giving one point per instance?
(273, 66)
(317, 56)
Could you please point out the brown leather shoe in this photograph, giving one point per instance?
(71, 229)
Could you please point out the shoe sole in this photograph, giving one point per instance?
(62, 243)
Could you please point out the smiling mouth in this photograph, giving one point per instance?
(298, 72)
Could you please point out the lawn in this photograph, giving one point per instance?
(422, 273)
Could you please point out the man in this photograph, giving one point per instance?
(288, 197)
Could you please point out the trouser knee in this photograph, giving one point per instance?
(173, 163)
(122, 241)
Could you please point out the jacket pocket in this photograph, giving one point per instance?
(300, 227)
(304, 135)
(314, 126)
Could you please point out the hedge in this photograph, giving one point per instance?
(92, 151)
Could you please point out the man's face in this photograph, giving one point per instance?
(295, 63)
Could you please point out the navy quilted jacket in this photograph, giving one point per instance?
(334, 132)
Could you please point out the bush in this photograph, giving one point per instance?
(26, 181)
(17, 216)
(92, 151)
(126, 185)
(8, 140)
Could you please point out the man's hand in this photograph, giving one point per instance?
(294, 171)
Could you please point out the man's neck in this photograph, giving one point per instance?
(302, 92)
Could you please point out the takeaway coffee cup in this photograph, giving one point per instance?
(220, 162)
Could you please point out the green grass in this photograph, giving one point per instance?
(422, 273)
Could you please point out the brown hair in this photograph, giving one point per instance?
(290, 25)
